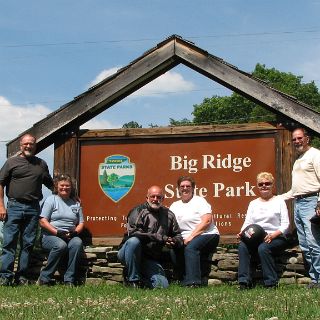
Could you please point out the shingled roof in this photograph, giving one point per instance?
(153, 63)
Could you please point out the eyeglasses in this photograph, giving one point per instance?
(185, 186)
(298, 138)
(264, 184)
(155, 197)
(27, 144)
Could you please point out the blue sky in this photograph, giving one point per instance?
(51, 51)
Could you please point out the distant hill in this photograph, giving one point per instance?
(125, 181)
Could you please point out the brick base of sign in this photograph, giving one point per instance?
(100, 265)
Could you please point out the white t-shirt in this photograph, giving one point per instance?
(188, 215)
(271, 215)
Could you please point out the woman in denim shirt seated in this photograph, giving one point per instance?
(61, 220)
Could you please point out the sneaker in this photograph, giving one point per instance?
(313, 285)
(45, 283)
(134, 284)
(272, 286)
(191, 285)
(22, 282)
(5, 282)
(244, 286)
(204, 281)
(69, 284)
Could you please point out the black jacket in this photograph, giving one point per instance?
(153, 229)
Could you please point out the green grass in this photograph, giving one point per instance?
(117, 302)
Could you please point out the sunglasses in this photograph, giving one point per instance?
(264, 184)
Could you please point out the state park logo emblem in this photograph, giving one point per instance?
(116, 176)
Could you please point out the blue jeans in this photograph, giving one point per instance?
(58, 251)
(20, 225)
(139, 268)
(308, 234)
(265, 253)
(192, 261)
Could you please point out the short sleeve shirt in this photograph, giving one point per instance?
(62, 214)
(188, 215)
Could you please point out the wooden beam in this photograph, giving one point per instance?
(66, 156)
(285, 160)
(101, 96)
(161, 132)
(240, 82)
(148, 67)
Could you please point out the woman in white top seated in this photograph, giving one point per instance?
(199, 233)
(271, 213)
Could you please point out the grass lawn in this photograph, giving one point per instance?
(117, 302)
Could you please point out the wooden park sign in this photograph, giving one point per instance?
(116, 167)
(224, 160)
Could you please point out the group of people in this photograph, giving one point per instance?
(60, 218)
(185, 232)
(270, 212)
(152, 225)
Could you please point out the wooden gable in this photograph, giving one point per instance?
(153, 63)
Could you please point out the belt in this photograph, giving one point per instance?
(23, 200)
(307, 195)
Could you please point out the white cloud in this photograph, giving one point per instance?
(99, 124)
(103, 75)
(169, 82)
(16, 119)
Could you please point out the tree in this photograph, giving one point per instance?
(132, 124)
(153, 125)
(182, 122)
(104, 178)
(238, 109)
(112, 179)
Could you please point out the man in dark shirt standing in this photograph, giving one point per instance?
(22, 176)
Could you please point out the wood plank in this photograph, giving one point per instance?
(160, 132)
(66, 156)
(101, 96)
(284, 162)
(247, 86)
(285, 168)
(146, 68)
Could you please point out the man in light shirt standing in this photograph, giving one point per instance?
(305, 191)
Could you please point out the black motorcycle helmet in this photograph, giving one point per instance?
(253, 235)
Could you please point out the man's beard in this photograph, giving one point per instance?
(154, 207)
(28, 153)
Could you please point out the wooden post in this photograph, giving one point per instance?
(286, 158)
(66, 154)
